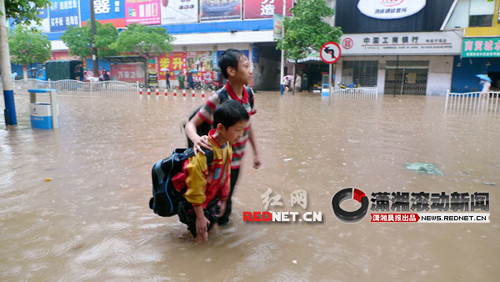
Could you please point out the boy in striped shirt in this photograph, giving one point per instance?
(237, 70)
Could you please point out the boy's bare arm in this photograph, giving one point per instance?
(256, 158)
(198, 141)
(201, 221)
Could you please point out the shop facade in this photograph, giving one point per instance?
(399, 63)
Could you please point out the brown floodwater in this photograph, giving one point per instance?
(74, 201)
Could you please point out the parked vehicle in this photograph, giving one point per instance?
(346, 86)
(61, 69)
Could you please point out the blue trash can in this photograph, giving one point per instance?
(44, 115)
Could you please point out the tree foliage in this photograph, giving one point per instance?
(307, 31)
(78, 40)
(25, 12)
(144, 40)
(28, 46)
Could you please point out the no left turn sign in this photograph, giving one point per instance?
(330, 52)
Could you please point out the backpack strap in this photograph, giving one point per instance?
(250, 96)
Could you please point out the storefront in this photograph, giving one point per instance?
(396, 46)
(399, 63)
(480, 55)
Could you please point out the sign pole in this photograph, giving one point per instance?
(329, 83)
(330, 53)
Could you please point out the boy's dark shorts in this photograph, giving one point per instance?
(188, 216)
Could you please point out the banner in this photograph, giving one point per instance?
(391, 9)
(142, 12)
(174, 62)
(200, 64)
(105, 11)
(64, 13)
(278, 26)
(481, 47)
(179, 11)
(259, 9)
(128, 73)
(220, 10)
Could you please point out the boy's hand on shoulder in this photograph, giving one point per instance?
(201, 142)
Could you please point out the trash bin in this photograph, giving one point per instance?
(44, 114)
(325, 91)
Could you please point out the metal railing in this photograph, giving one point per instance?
(473, 101)
(360, 92)
(109, 89)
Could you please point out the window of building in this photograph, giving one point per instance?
(480, 20)
(364, 72)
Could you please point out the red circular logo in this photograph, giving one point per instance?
(347, 43)
(390, 3)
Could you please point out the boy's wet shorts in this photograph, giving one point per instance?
(188, 216)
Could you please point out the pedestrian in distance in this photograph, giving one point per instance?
(486, 88)
(167, 78)
(298, 82)
(236, 68)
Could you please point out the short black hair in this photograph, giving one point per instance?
(229, 58)
(230, 113)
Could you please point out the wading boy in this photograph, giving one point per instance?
(237, 70)
(208, 186)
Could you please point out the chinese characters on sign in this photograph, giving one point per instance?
(400, 201)
(481, 47)
(424, 43)
(63, 14)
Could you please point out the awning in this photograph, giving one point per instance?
(126, 59)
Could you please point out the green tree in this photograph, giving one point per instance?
(146, 41)
(78, 40)
(307, 30)
(28, 46)
(25, 12)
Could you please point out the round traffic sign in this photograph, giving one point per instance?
(330, 52)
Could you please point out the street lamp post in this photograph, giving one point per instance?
(95, 63)
(8, 84)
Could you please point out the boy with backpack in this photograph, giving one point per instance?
(208, 184)
(236, 68)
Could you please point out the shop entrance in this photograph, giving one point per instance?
(406, 77)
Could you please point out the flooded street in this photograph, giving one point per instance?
(74, 201)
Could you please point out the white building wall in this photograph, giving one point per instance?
(439, 76)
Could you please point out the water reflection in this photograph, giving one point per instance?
(90, 219)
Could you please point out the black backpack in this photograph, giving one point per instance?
(205, 127)
(165, 200)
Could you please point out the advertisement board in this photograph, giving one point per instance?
(64, 13)
(105, 11)
(261, 9)
(220, 10)
(179, 11)
(142, 12)
(481, 47)
(370, 16)
(174, 62)
(127, 72)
